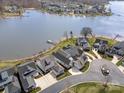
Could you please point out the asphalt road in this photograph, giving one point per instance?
(94, 74)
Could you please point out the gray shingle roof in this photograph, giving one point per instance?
(6, 76)
(101, 41)
(13, 87)
(9, 70)
(120, 45)
(26, 71)
(61, 56)
(46, 63)
(118, 48)
(73, 51)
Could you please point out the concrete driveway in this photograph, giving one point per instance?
(74, 71)
(90, 55)
(97, 54)
(45, 81)
(115, 59)
(90, 60)
(94, 74)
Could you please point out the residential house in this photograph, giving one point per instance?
(73, 51)
(11, 8)
(57, 70)
(101, 45)
(63, 58)
(68, 57)
(27, 72)
(8, 81)
(45, 64)
(81, 41)
(79, 58)
(83, 59)
(117, 49)
(13, 87)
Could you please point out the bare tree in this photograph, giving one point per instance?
(117, 36)
(86, 31)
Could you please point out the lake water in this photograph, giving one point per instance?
(26, 36)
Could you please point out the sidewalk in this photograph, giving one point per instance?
(114, 60)
(121, 69)
(96, 53)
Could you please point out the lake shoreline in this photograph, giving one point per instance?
(63, 42)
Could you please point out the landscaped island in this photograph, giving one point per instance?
(94, 88)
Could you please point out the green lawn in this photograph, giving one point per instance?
(106, 57)
(110, 41)
(119, 63)
(8, 64)
(36, 90)
(94, 88)
(60, 45)
(66, 73)
(86, 66)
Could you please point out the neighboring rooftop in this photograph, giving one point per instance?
(73, 51)
(26, 72)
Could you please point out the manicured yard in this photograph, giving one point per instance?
(94, 88)
(91, 41)
(60, 45)
(119, 63)
(92, 53)
(106, 57)
(36, 90)
(8, 64)
(66, 73)
(110, 41)
(86, 66)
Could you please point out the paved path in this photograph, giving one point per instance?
(97, 54)
(90, 60)
(90, 55)
(121, 68)
(74, 71)
(114, 60)
(94, 74)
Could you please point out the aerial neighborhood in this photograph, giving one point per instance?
(75, 8)
(70, 60)
(17, 7)
(76, 63)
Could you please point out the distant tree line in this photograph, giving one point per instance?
(23, 3)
